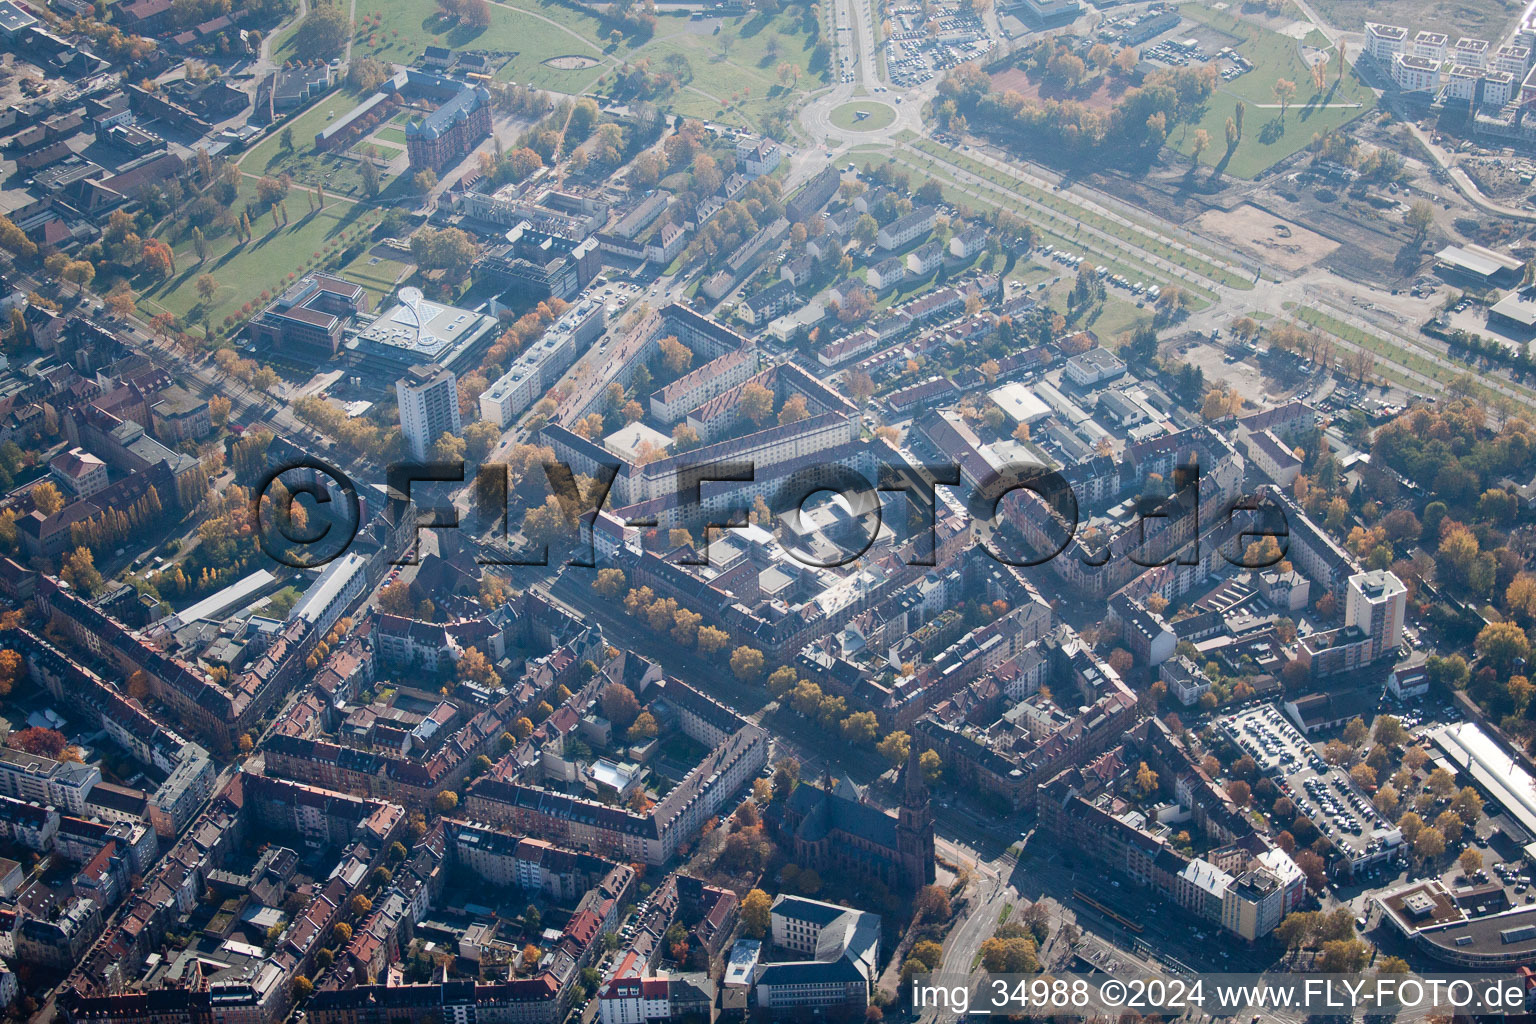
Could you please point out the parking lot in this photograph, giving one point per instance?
(1324, 794)
(1138, 291)
(921, 47)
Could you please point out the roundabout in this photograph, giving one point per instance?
(863, 115)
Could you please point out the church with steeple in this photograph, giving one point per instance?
(834, 829)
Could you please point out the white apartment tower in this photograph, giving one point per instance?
(1375, 605)
(1470, 53)
(429, 407)
(1383, 42)
(1513, 59)
(1415, 74)
(1431, 45)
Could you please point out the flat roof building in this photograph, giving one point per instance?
(309, 317)
(1415, 73)
(1485, 763)
(429, 407)
(13, 19)
(1093, 366)
(1430, 916)
(423, 333)
(1383, 42)
(1019, 403)
(1471, 52)
(1431, 45)
(1044, 12)
(538, 366)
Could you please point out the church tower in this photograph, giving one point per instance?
(914, 825)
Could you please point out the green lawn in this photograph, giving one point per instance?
(1399, 351)
(1053, 229)
(378, 278)
(878, 115)
(381, 149)
(338, 173)
(1267, 137)
(531, 30)
(735, 73)
(1112, 317)
(1138, 234)
(389, 133)
(304, 126)
(265, 263)
(527, 30)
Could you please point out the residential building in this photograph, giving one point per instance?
(1272, 456)
(1470, 53)
(512, 861)
(1384, 42)
(907, 229)
(761, 307)
(1375, 605)
(651, 837)
(671, 403)
(58, 941)
(634, 999)
(1499, 87)
(816, 194)
(1414, 73)
(886, 274)
(1094, 366)
(925, 259)
(1462, 83)
(1408, 680)
(1431, 46)
(78, 472)
(540, 365)
(969, 242)
(1184, 679)
(758, 156)
(63, 784)
(429, 407)
(180, 415)
(29, 824)
(14, 19)
(1513, 59)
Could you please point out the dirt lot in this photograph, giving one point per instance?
(1372, 242)
(1259, 384)
(1500, 177)
(1100, 94)
(1277, 242)
(1481, 19)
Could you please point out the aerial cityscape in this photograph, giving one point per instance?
(624, 511)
